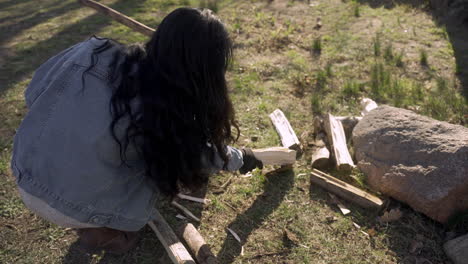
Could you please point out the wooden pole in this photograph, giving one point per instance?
(127, 21)
(175, 249)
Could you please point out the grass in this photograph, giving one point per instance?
(423, 60)
(275, 66)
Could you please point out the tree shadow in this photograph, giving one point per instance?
(24, 61)
(276, 187)
(457, 29)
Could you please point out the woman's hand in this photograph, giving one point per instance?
(250, 161)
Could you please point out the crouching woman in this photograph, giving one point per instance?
(110, 127)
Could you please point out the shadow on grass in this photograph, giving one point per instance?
(398, 236)
(148, 250)
(457, 29)
(24, 61)
(276, 187)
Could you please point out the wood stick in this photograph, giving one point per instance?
(345, 190)
(193, 199)
(337, 141)
(175, 249)
(185, 210)
(127, 21)
(197, 244)
(285, 131)
(275, 156)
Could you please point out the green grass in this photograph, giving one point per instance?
(276, 65)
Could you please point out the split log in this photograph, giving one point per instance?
(175, 249)
(320, 158)
(337, 141)
(285, 131)
(127, 21)
(345, 190)
(197, 244)
(367, 105)
(275, 156)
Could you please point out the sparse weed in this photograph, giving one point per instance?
(399, 60)
(352, 89)
(423, 60)
(210, 4)
(184, 2)
(380, 81)
(321, 80)
(316, 104)
(388, 53)
(317, 46)
(377, 45)
(357, 12)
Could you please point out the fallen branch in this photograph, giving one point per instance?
(175, 249)
(193, 199)
(127, 21)
(345, 190)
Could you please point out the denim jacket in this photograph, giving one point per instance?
(64, 153)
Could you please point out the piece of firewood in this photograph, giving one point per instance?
(320, 158)
(337, 141)
(345, 190)
(285, 131)
(197, 244)
(127, 21)
(348, 122)
(275, 156)
(175, 249)
(367, 105)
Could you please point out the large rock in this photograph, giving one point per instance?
(415, 159)
(457, 249)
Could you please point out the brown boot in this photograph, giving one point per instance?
(111, 240)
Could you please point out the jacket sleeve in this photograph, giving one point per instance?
(216, 164)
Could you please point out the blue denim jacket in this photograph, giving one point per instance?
(64, 153)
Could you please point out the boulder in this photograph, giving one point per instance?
(457, 249)
(414, 159)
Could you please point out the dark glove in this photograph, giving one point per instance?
(250, 161)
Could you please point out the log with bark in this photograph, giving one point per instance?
(197, 244)
(175, 249)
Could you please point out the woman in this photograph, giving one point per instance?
(111, 126)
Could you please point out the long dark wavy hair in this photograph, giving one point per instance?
(178, 80)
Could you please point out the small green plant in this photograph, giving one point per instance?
(357, 12)
(380, 81)
(351, 89)
(329, 70)
(399, 60)
(388, 53)
(316, 104)
(377, 45)
(184, 2)
(317, 46)
(321, 80)
(423, 60)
